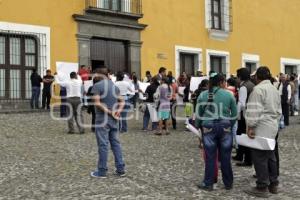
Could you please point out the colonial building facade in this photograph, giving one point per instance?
(141, 35)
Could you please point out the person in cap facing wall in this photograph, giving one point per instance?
(262, 117)
(216, 113)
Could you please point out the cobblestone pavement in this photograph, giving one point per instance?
(38, 160)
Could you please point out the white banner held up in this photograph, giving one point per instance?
(195, 81)
(64, 69)
(259, 143)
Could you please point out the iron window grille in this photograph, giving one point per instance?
(220, 15)
(119, 6)
(20, 53)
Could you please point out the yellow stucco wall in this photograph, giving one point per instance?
(263, 27)
(56, 14)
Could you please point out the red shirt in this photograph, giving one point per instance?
(84, 74)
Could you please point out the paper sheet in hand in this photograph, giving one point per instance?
(64, 69)
(153, 112)
(179, 99)
(259, 143)
(194, 130)
(143, 87)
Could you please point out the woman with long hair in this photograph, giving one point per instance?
(216, 113)
(165, 95)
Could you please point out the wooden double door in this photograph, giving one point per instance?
(110, 53)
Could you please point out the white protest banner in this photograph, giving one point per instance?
(195, 81)
(143, 87)
(64, 69)
(259, 143)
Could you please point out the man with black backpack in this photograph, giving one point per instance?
(216, 114)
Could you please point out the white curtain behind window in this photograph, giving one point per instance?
(126, 6)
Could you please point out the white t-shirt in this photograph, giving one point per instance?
(74, 87)
(124, 87)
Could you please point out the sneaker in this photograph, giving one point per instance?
(120, 174)
(96, 174)
(202, 186)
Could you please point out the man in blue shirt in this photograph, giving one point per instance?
(109, 105)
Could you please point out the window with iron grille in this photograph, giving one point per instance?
(218, 15)
(124, 6)
(20, 53)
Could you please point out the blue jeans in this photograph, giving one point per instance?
(217, 136)
(104, 136)
(146, 120)
(34, 103)
(123, 120)
(63, 108)
(233, 131)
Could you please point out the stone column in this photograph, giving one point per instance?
(134, 57)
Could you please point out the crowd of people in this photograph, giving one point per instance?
(254, 104)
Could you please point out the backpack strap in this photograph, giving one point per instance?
(210, 100)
